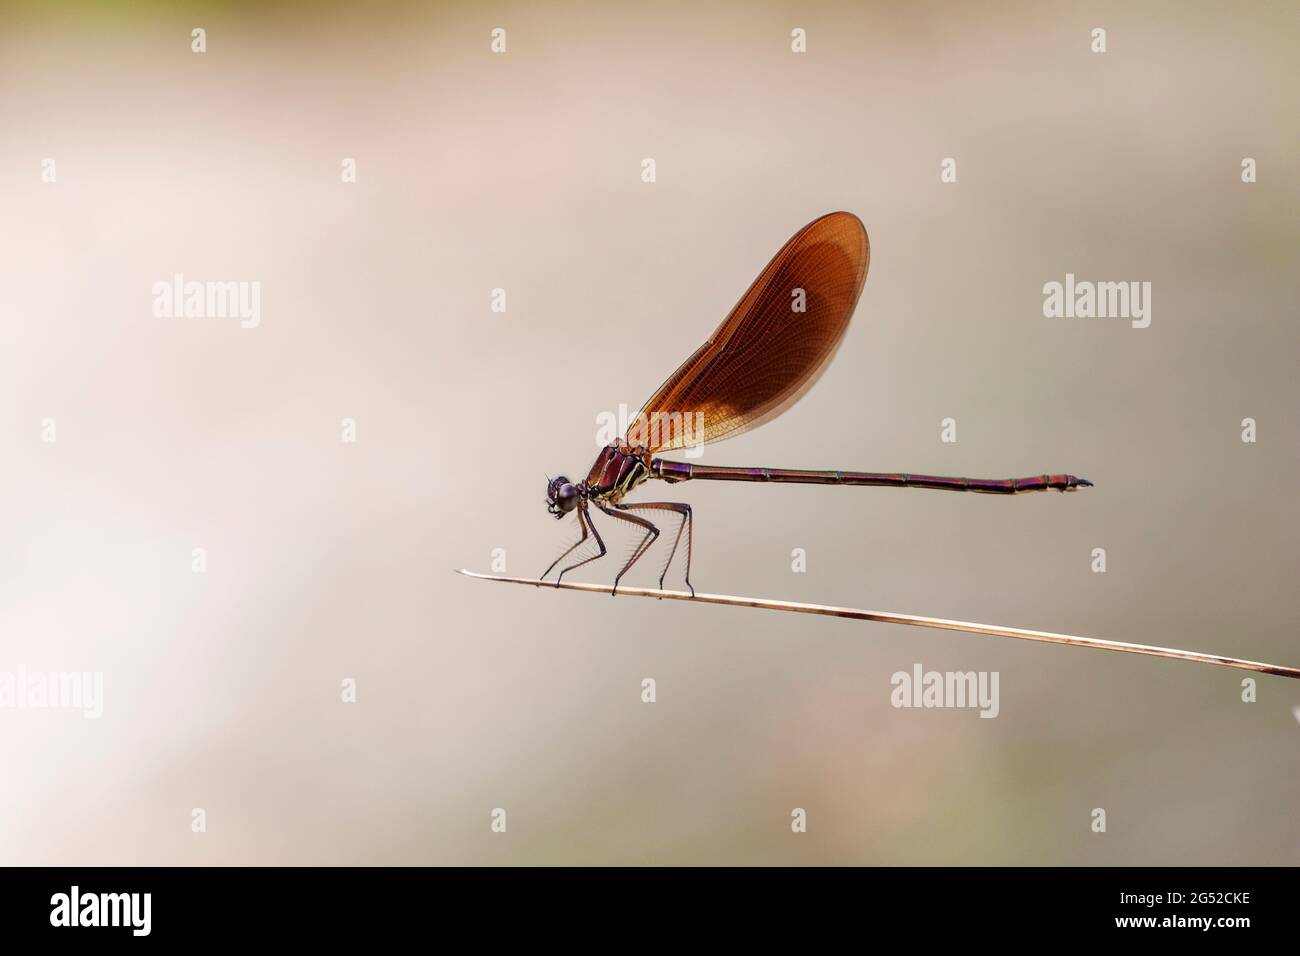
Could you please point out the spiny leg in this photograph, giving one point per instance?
(651, 533)
(686, 524)
(583, 515)
(582, 523)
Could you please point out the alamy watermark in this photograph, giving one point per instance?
(71, 690)
(922, 688)
(661, 430)
(130, 910)
(178, 298)
(1083, 299)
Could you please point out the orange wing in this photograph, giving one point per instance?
(766, 353)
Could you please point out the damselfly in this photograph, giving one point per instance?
(765, 355)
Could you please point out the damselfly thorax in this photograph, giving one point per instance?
(619, 468)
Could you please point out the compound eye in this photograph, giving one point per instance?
(567, 496)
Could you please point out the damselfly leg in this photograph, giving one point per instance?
(651, 534)
(587, 526)
(682, 510)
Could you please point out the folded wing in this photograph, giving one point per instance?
(773, 346)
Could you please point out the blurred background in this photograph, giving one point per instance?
(330, 560)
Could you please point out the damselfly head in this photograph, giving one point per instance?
(561, 496)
